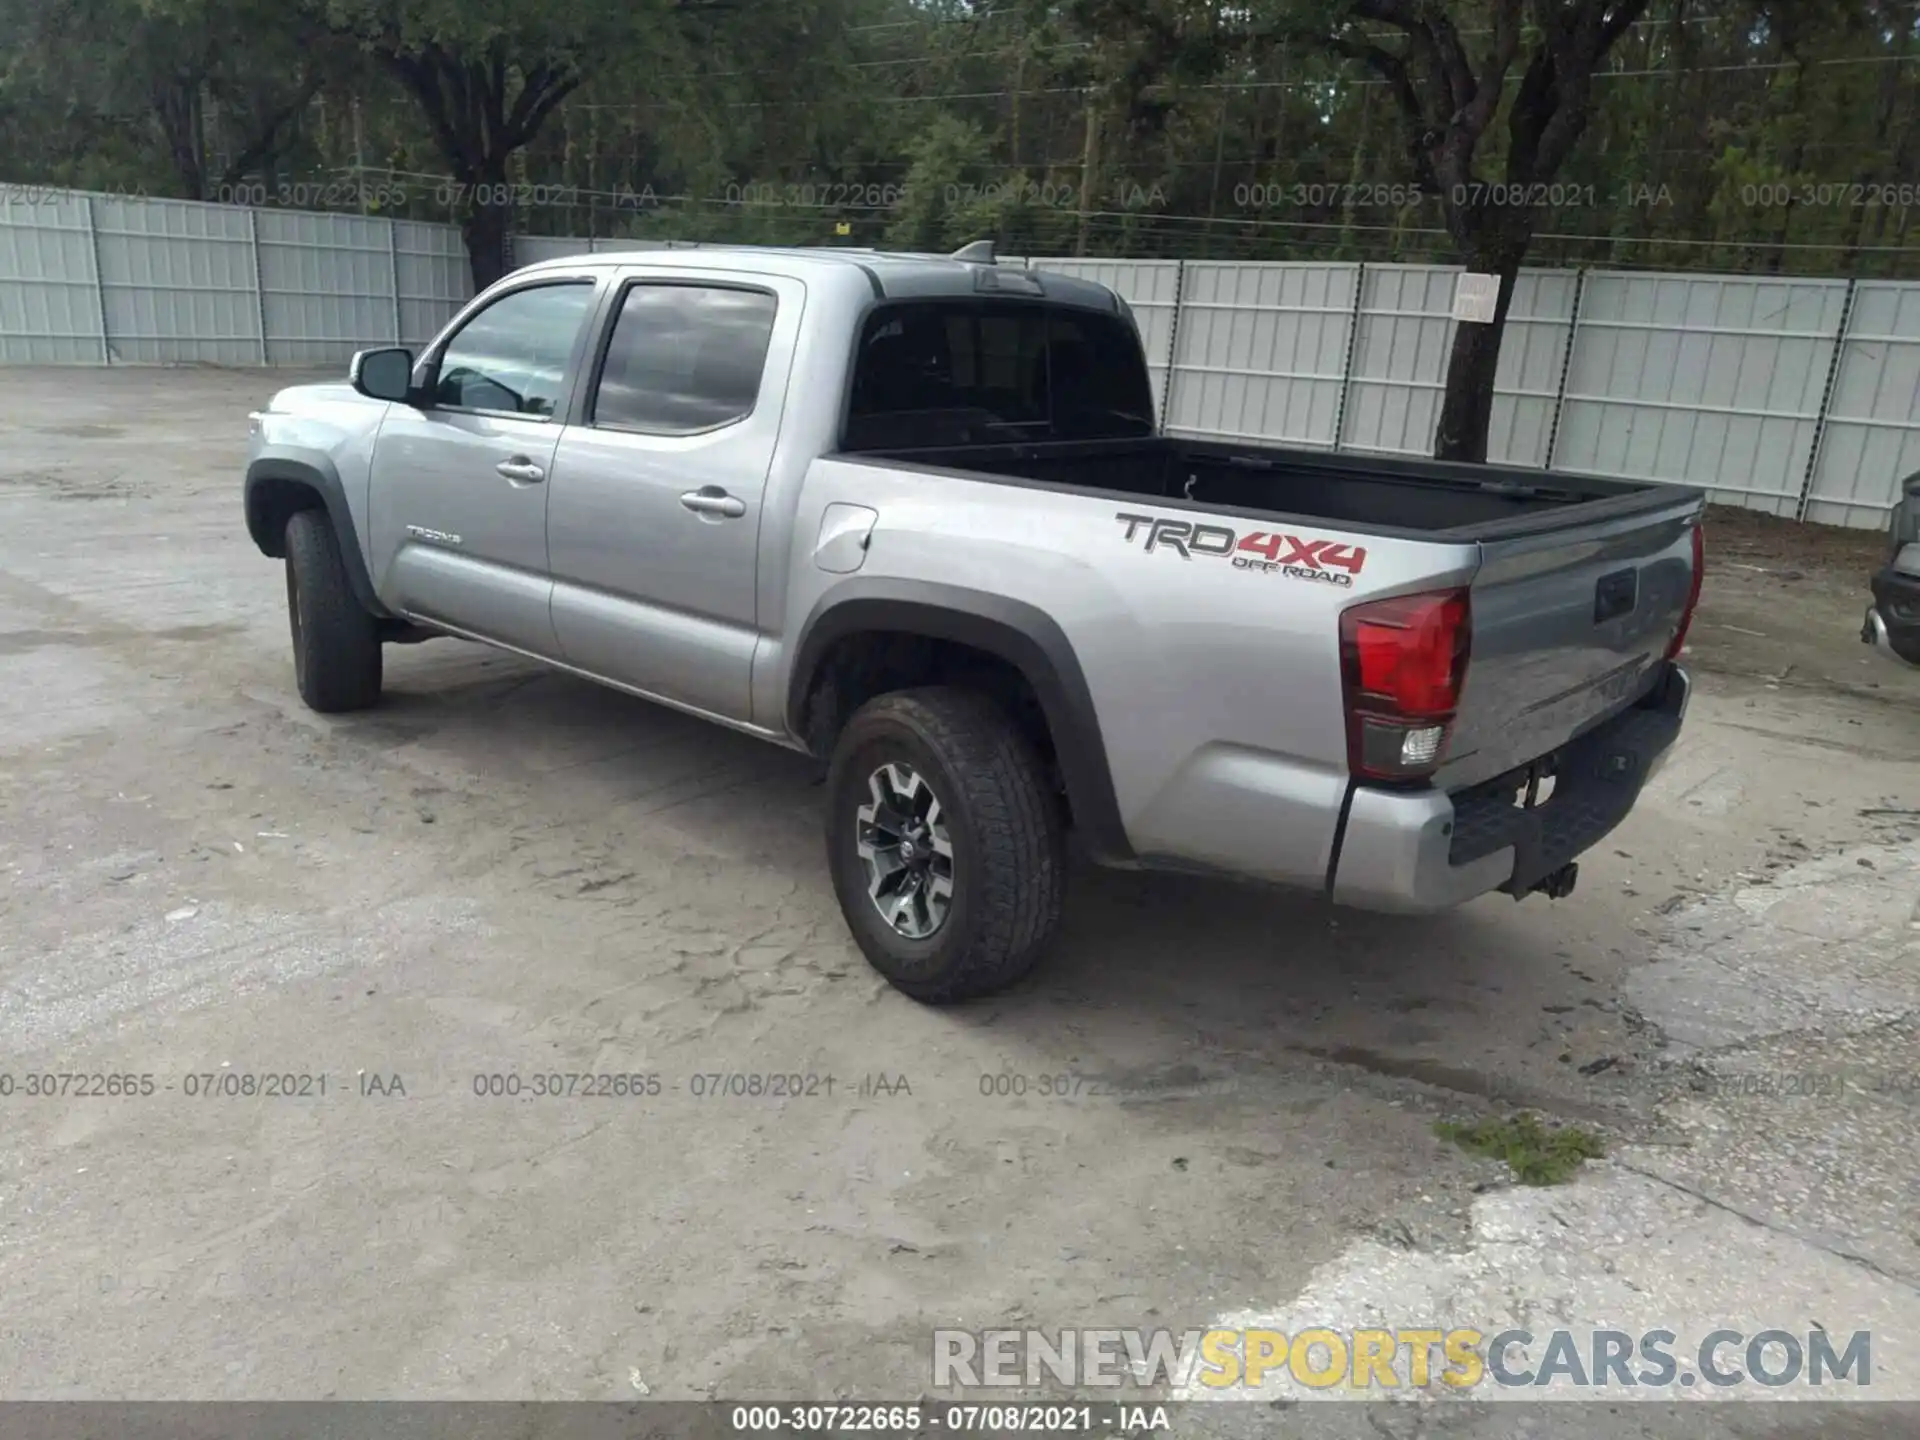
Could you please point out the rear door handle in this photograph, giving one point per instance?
(712, 500)
(521, 471)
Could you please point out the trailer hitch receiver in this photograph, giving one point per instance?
(1559, 883)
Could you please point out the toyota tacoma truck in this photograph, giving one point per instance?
(912, 516)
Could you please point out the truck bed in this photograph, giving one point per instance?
(1385, 494)
(1579, 583)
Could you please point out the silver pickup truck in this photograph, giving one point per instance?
(911, 515)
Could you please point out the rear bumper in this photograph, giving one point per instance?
(1422, 851)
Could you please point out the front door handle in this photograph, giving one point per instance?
(712, 500)
(521, 471)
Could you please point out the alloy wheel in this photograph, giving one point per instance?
(903, 840)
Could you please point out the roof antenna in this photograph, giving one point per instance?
(980, 252)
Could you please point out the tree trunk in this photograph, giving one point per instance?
(485, 228)
(1356, 176)
(478, 127)
(1013, 118)
(176, 108)
(1089, 162)
(1796, 157)
(1466, 413)
(1447, 110)
(1219, 157)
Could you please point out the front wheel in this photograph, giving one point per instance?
(336, 643)
(945, 844)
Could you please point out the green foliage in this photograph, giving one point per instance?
(1190, 128)
(556, 32)
(947, 187)
(160, 96)
(1535, 1153)
(1771, 135)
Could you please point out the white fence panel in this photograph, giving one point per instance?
(326, 285)
(1400, 358)
(1715, 381)
(1708, 380)
(1261, 351)
(1151, 287)
(177, 281)
(49, 289)
(432, 278)
(1533, 356)
(1872, 438)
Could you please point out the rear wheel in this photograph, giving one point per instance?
(945, 843)
(336, 643)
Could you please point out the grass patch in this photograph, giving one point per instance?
(1536, 1154)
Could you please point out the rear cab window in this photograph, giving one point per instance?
(978, 372)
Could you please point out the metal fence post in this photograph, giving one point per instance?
(99, 282)
(1566, 363)
(393, 272)
(1353, 351)
(1820, 426)
(259, 288)
(1173, 340)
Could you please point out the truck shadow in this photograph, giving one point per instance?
(1154, 975)
(1490, 1001)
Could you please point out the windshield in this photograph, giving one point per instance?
(962, 372)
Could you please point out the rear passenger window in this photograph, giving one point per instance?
(684, 358)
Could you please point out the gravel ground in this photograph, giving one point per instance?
(502, 871)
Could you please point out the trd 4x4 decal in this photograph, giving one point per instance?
(1270, 551)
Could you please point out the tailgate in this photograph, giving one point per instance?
(1570, 625)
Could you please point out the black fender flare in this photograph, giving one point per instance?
(269, 478)
(1020, 634)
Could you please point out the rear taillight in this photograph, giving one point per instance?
(1693, 592)
(1403, 660)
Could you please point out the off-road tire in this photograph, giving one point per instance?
(1007, 833)
(336, 643)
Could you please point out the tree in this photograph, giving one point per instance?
(160, 65)
(1719, 132)
(487, 75)
(1449, 99)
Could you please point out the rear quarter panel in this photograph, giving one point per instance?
(1217, 687)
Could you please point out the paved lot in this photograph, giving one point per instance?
(507, 872)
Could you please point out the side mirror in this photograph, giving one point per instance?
(382, 374)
